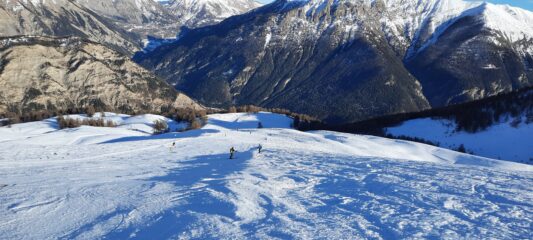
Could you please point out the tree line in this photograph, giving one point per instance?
(470, 117)
(69, 122)
(194, 117)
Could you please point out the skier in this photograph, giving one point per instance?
(260, 148)
(231, 152)
(173, 146)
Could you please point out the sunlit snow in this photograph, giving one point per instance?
(117, 183)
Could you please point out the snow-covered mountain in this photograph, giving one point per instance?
(119, 23)
(418, 23)
(128, 11)
(165, 19)
(143, 17)
(197, 13)
(119, 183)
(62, 18)
(319, 56)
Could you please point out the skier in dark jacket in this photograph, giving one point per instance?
(173, 146)
(260, 148)
(231, 152)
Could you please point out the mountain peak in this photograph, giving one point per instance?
(309, 55)
(197, 13)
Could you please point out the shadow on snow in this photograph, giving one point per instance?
(195, 182)
(187, 134)
(268, 120)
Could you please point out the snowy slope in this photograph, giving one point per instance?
(313, 185)
(500, 141)
(46, 132)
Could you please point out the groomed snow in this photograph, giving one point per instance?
(305, 185)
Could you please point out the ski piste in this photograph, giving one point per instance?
(118, 183)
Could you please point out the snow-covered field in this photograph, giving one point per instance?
(117, 183)
(500, 141)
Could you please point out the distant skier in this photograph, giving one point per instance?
(231, 152)
(173, 146)
(260, 148)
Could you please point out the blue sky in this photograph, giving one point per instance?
(527, 4)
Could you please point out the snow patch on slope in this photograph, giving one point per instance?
(500, 141)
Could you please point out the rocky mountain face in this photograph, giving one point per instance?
(198, 13)
(142, 17)
(347, 60)
(128, 11)
(164, 19)
(62, 18)
(486, 51)
(39, 73)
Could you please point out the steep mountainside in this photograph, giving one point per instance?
(129, 11)
(58, 73)
(346, 60)
(143, 17)
(488, 50)
(197, 13)
(165, 19)
(62, 18)
(279, 56)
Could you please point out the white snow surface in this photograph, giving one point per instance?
(500, 141)
(122, 183)
(46, 132)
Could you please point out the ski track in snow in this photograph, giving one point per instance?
(314, 185)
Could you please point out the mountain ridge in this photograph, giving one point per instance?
(63, 18)
(306, 36)
(53, 73)
(198, 13)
